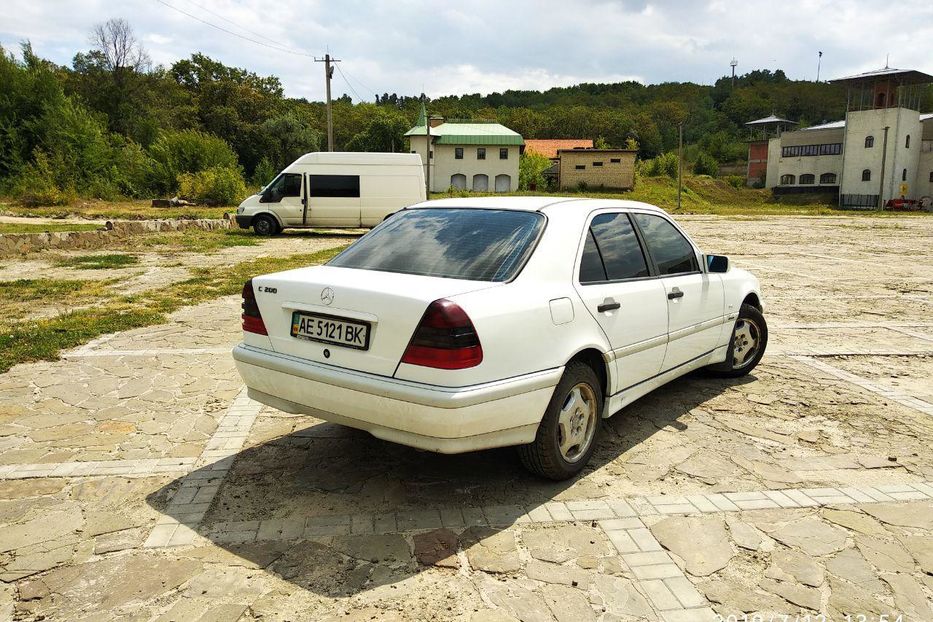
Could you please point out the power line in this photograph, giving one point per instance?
(360, 82)
(230, 21)
(235, 34)
(348, 82)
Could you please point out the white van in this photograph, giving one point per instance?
(330, 189)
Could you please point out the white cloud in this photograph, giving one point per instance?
(405, 46)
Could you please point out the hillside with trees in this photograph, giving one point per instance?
(113, 125)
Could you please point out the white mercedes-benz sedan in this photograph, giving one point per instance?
(465, 324)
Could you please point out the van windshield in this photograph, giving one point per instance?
(455, 243)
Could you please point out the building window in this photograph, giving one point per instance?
(787, 180)
(831, 149)
(503, 153)
(931, 177)
(458, 153)
(907, 142)
(580, 167)
(904, 175)
(481, 153)
(615, 160)
(431, 154)
(807, 179)
(828, 178)
(866, 175)
(869, 142)
(597, 163)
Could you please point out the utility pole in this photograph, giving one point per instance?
(328, 74)
(680, 161)
(884, 156)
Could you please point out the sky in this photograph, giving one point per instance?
(480, 46)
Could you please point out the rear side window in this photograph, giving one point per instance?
(285, 185)
(591, 266)
(461, 243)
(334, 186)
(670, 250)
(613, 241)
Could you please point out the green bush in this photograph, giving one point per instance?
(706, 164)
(531, 167)
(664, 164)
(187, 151)
(218, 185)
(35, 185)
(263, 174)
(736, 181)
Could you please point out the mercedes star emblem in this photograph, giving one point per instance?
(327, 295)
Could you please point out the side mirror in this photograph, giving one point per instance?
(717, 263)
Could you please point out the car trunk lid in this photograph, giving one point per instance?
(390, 304)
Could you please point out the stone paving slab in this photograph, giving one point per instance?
(803, 489)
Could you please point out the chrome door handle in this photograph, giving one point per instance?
(608, 305)
(675, 293)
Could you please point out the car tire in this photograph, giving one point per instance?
(574, 415)
(746, 345)
(265, 225)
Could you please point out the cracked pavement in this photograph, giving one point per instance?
(137, 481)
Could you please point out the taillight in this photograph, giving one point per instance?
(445, 339)
(252, 320)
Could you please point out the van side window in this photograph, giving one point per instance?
(334, 186)
(285, 185)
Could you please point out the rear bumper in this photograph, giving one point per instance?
(441, 419)
(245, 222)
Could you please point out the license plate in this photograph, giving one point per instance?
(330, 329)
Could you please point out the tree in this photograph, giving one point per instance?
(119, 48)
(531, 167)
(111, 74)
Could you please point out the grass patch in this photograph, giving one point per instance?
(98, 262)
(20, 296)
(16, 227)
(113, 210)
(707, 195)
(35, 340)
(197, 240)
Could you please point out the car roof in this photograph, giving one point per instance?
(535, 203)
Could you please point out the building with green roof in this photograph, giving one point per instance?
(468, 155)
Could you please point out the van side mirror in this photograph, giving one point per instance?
(717, 263)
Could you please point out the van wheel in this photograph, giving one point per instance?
(265, 225)
(567, 435)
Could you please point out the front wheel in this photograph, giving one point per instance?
(747, 345)
(265, 225)
(567, 435)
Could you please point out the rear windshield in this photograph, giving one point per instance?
(471, 244)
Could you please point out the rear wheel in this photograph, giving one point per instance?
(747, 346)
(265, 225)
(567, 435)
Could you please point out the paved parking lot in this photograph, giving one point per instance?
(137, 481)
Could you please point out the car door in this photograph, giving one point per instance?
(333, 200)
(283, 197)
(694, 297)
(619, 291)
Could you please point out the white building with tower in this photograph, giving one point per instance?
(882, 150)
